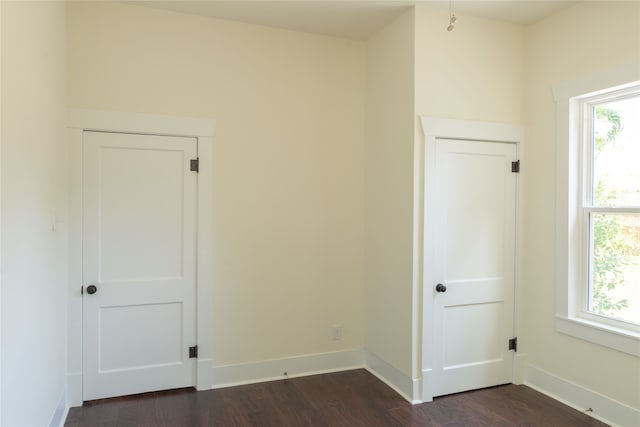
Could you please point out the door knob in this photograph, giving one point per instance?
(92, 289)
(441, 288)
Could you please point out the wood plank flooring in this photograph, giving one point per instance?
(350, 398)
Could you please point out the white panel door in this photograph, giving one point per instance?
(474, 299)
(139, 243)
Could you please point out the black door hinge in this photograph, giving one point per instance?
(193, 352)
(195, 165)
(515, 166)
(513, 344)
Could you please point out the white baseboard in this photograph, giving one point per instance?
(205, 377)
(74, 389)
(604, 408)
(60, 415)
(407, 387)
(297, 366)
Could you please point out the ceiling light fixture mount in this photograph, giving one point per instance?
(452, 16)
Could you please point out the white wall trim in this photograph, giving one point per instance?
(438, 128)
(296, 366)
(201, 128)
(151, 124)
(314, 364)
(519, 362)
(417, 259)
(204, 272)
(405, 386)
(60, 414)
(433, 127)
(428, 383)
(621, 340)
(604, 408)
(74, 389)
(74, 303)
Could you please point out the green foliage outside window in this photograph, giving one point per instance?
(611, 250)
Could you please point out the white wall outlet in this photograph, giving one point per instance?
(336, 332)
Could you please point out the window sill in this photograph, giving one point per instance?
(598, 333)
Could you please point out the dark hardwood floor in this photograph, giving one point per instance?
(350, 398)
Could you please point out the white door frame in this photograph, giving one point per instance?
(437, 128)
(107, 121)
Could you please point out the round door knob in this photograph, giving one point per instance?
(441, 288)
(92, 289)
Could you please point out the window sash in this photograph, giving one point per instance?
(587, 269)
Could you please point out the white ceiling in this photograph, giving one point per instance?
(354, 19)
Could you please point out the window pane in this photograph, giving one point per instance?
(615, 266)
(616, 153)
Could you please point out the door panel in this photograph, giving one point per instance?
(476, 241)
(139, 228)
(127, 327)
(155, 238)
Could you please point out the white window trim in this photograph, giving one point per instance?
(569, 241)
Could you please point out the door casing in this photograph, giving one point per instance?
(434, 129)
(108, 121)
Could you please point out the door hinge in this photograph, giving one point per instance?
(515, 166)
(193, 352)
(195, 165)
(513, 344)
(81, 290)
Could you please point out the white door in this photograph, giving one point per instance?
(475, 257)
(139, 255)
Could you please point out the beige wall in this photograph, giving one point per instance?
(33, 200)
(288, 171)
(389, 193)
(584, 39)
(476, 72)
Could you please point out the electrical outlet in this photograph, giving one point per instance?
(336, 333)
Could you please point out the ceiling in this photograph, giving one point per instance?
(353, 19)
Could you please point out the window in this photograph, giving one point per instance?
(610, 148)
(598, 203)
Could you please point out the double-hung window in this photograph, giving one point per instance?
(610, 207)
(598, 202)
